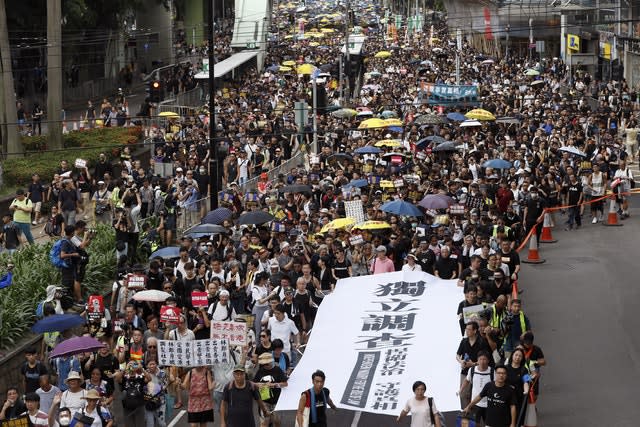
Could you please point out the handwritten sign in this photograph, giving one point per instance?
(199, 299)
(234, 332)
(22, 421)
(193, 353)
(80, 163)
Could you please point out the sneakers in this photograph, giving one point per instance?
(34, 223)
(594, 220)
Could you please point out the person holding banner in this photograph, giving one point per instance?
(312, 407)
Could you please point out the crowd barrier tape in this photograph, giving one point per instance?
(609, 195)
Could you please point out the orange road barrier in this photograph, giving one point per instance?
(514, 290)
(612, 218)
(533, 257)
(546, 236)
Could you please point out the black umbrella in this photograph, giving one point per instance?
(436, 139)
(217, 216)
(255, 217)
(296, 188)
(447, 146)
(339, 157)
(207, 229)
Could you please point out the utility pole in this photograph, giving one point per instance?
(214, 162)
(54, 73)
(347, 65)
(9, 131)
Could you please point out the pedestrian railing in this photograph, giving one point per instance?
(273, 173)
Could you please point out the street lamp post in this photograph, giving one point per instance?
(214, 163)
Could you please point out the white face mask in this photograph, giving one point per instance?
(64, 421)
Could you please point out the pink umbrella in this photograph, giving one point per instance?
(76, 345)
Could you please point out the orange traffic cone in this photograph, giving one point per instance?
(533, 257)
(612, 218)
(514, 290)
(546, 236)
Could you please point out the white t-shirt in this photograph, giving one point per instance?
(420, 413)
(283, 331)
(46, 398)
(73, 401)
(221, 313)
(480, 378)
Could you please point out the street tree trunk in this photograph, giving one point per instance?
(54, 73)
(10, 117)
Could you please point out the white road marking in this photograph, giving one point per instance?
(175, 419)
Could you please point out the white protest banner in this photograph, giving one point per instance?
(136, 281)
(353, 209)
(392, 330)
(192, 353)
(234, 332)
(80, 163)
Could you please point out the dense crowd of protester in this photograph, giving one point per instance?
(568, 139)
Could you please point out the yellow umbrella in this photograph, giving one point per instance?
(325, 20)
(289, 63)
(383, 54)
(480, 114)
(372, 124)
(285, 69)
(373, 225)
(393, 122)
(168, 114)
(307, 69)
(288, 37)
(337, 224)
(327, 30)
(314, 44)
(388, 143)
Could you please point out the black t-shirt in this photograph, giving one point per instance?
(273, 375)
(499, 401)
(446, 267)
(341, 269)
(465, 348)
(240, 404)
(534, 210)
(512, 259)
(574, 190)
(495, 291)
(32, 375)
(426, 260)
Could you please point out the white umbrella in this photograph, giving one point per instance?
(470, 123)
(151, 295)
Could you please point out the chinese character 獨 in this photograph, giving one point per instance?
(415, 289)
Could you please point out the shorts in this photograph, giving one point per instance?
(68, 276)
(479, 413)
(170, 222)
(274, 417)
(37, 206)
(200, 417)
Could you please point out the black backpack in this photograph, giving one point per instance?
(229, 311)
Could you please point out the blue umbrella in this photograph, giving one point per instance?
(358, 183)
(57, 323)
(166, 253)
(436, 139)
(497, 164)
(573, 151)
(273, 68)
(456, 117)
(217, 216)
(395, 128)
(400, 207)
(424, 141)
(388, 113)
(369, 149)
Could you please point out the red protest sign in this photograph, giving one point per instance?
(95, 307)
(136, 281)
(170, 314)
(199, 299)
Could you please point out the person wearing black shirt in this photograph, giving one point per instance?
(269, 379)
(501, 401)
(13, 407)
(468, 301)
(446, 267)
(467, 355)
(426, 257)
(510, 257)
(574, 198)
(533, 213)
(102, 167)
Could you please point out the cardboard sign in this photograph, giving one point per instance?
(234, 332)
(95, 307)
(398, 183)
(22, 421)
(356, 240)
(170, 314)
(386, 184)
(80, 163)
(136, 281)
(199, 299)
